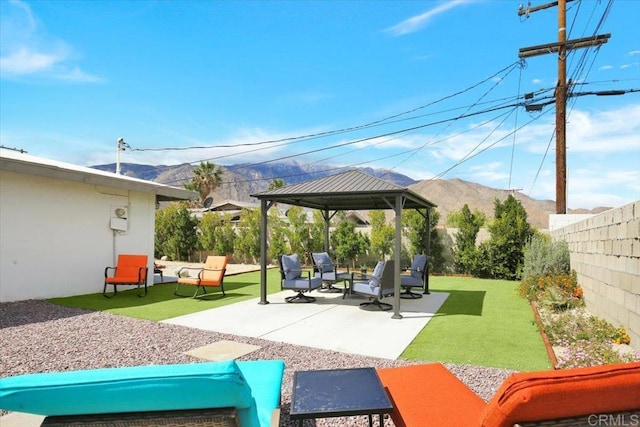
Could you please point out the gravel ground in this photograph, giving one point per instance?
(36, 336)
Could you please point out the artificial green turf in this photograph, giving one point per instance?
(160, 303)
(482, 323)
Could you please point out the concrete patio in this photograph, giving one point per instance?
(329, 323)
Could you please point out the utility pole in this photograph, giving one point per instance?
(121, 145)
(561, 47)
(561, 112)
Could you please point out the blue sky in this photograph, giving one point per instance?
(425, 88)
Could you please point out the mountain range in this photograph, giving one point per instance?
(239, 181)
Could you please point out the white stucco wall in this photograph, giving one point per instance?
(56, 238)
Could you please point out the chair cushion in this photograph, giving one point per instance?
(128, 389)
(410, 281)
(430, 395)
(365, 288)
(291, 266)
(265, 379)
(552, 395)
(374, 281)
(418, 265)
(323, 262)
(214, 268)
(128, 269)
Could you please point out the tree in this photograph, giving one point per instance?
(217, 234)
(347, 243)
(298, 231)
(468, 223)
(225, 237)
(248, 240)
(175, 232)
(382, 234)
(316, 233)
(416, 229)
(276, 183)
(206, 178)
(277, 237)
(501, 257)
(208, 223)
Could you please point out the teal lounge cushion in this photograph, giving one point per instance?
(128, 389)
(265, 380)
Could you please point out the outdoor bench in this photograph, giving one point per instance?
(251, 389)
(430, 395)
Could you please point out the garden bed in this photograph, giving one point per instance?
(576, 338)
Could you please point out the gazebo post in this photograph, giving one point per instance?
(398, 252)
(426, 276)
(264, 208)
(327, 220)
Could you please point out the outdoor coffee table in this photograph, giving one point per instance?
(338, 393)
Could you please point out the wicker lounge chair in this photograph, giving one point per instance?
(429, 394)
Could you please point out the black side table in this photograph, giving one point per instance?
(338, 393)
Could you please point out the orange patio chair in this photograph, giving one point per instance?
(212, 276)
(130, 270)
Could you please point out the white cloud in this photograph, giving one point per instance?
(605, 131)
(605, 67)
(599, 186)
(416, 23)
(24, 61)
(536, 81)
(634, 52)
(488, 172)
(25, 50)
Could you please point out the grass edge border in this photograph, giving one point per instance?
(545, 339)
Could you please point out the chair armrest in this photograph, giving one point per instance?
(106, 271)
(199, 269)
(140, 274)
(341, 266)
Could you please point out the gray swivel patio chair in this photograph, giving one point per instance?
(324, 268)
(376, 286)
(293, 277)
(415, 278)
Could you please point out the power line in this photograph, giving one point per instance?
(295, 139)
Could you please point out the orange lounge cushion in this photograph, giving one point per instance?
(549, 395)
(130, 269)
(430, 395)
(214, 269)
(196, 282)
(123, 280)
(212, 274)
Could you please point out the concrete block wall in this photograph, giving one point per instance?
(605, 253)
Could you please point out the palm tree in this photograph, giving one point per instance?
(206, 178)
(276, 183)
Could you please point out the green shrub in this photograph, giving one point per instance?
(544, 257)
(546, 264)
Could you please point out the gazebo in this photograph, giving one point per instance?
(350, 190)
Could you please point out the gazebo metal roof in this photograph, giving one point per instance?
(350, 190)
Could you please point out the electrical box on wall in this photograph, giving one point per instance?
(119, 218)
